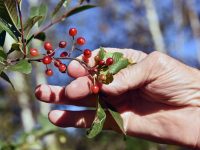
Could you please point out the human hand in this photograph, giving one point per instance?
(158, 99)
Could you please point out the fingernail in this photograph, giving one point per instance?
(55, 116)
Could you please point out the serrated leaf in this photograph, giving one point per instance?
(116, 67)
(41, 36)
(22, 66)
(4, 76)
(118, 119)
(102, 53)
(9, 14)
(43, 10)
(98, 122)
(30, 23)
(79, 9)
(2, 37)
(59, 6)
(9, 30)
(117, 56)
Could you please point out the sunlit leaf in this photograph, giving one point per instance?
(98, 122)
(118, 119)
(4, 76)
(22, 66)
(116, 67)
(102, 53)
(9, 15)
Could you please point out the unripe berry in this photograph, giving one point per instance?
(62, 68)
(95, 89)
(80, 41)
(62, 44)
(97, 58)
(102, 77)
(109, 61)
(48, 46)
(72, 31)
(57, 63)
(64, 54)
(34, 52)
(87, 53)
(51, 53)
(49, 72)
(46, 60)
(101, 62)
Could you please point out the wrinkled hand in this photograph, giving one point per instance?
(158, 98)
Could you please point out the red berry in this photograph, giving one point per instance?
(49, 72)
(95, 89)
(34, 52)
(109, 61)
(62, 44)
(72, 31)
(47, 60)
(51, 53)
(62, 68)
(101, 62)
(80, 41)
(57, 63)
(87, 53)
(64, 54)
(48, 46)
(85, 59)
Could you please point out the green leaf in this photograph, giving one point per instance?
(43, 10)
(4, 76)
(79, 9)
(58, 6)
(9, 14)
(5, 26)
(30, 23)
(98, 122)
(22, 66)
(118, 119)
(2, 53)
(117, 56)
(2, 37)
(116, 67)
(102, 53)
(41, 36)
(34, 11)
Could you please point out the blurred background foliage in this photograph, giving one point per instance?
(170, 26)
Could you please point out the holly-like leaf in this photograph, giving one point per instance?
(4, 76)
(98, 122)
(30, 23)
(116, 67)
(2, 37)
(43, 10)
(59, 6)
(9, 15)
(102, 53)
(118, 119)
(22, 66)
(79, 9)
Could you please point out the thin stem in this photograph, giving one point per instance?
(22, 28)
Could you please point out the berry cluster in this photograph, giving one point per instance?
(49, 58)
